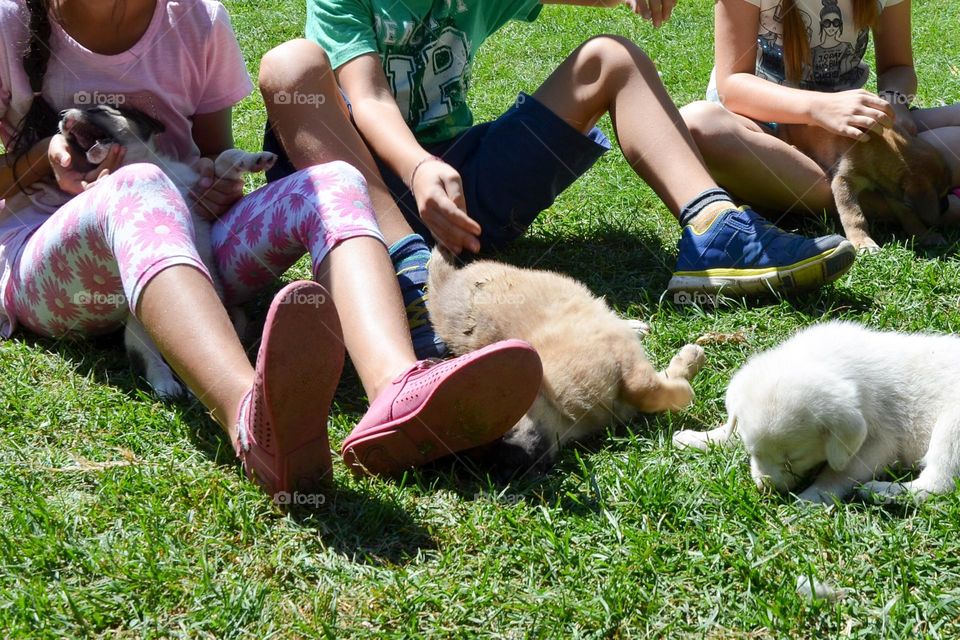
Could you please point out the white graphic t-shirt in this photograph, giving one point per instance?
(837, 47)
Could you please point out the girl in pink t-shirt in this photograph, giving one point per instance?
(123, 244)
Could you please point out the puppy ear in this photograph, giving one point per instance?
(845, 435)
(147, 126)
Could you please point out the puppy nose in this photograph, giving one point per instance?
(68, 118)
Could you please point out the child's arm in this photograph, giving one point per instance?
(53, 156)
(656, 11)
(213, 133)
(32, 167)
(896, 76)
(847, 113)
(437, 186)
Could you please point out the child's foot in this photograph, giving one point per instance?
(437, 408)
(742, 253)
(282, 422)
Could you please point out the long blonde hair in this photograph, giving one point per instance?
(796, 42)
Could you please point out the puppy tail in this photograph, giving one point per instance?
(441, 267)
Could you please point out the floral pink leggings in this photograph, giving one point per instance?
(85, 268)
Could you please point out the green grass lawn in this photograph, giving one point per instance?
(121, 516)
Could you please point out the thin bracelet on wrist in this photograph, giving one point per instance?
(423, 161)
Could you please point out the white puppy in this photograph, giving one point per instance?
(90, 132)
(860, 401)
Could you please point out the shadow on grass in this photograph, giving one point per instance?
(626, 266)
(473, 477)
(631, 267)
(367, 525)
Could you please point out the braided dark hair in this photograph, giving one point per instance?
(41, 119)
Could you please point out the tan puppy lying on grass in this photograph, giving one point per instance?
(849, 400)
(595, 373)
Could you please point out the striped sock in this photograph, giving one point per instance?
(704, 209)
(410, 255)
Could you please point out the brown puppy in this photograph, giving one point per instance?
(893, 175)
(594, 370)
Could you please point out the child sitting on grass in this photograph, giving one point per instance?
(800, 62)
(123, 244)
(404, 69)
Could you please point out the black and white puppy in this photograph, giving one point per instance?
(90, 133)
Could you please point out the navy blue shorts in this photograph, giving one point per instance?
(512, 168)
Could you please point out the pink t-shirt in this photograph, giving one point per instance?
(188, 62)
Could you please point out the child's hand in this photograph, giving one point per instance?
(853, 114)
(905, 118)
(212, 195)
(72, 181)
(438, 189)
(656, 11)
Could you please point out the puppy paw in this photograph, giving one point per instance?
(887, 493)
(256, 162)
(688, 362)
(639, 327)
(867, 245)
(816, 495)
(166, 387)
(690, 439)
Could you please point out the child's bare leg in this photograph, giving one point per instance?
(359, 276)
(611, 74)
(755, 165)
(319, 130)
(198, 341)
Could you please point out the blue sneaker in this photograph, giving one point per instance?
(742, 253)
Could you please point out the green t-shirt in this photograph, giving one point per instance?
(426, 47)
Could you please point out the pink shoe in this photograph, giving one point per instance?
(282, 421)
(437, 408)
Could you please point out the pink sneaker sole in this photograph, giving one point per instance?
(466, 407)
(298, 368)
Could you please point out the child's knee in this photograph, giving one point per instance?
(341, 190)
(617, 57)
(339, 172)
(291, 64)
(704, 119)
(141, 173)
